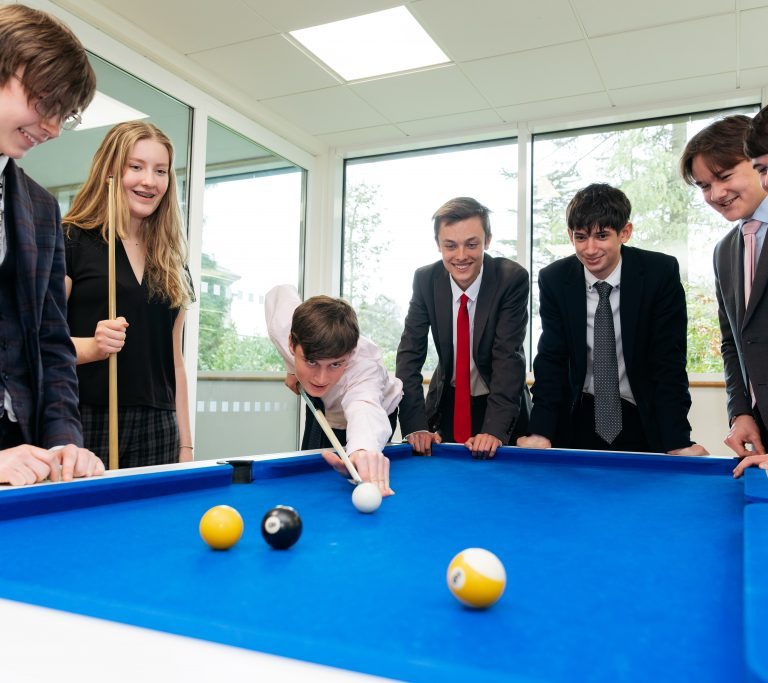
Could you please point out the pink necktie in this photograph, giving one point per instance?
(462, 408)
(748, 229)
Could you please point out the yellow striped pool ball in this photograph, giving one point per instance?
(476, 577)
(221, 527)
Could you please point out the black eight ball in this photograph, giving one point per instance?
(281, 527)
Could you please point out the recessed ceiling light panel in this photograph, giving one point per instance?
(372, 45)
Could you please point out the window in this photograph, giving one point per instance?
(252, 233)
(388, 233)
(62, 165)
(642, 160)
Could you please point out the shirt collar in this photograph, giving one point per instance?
(472, 291)
(761, 213)
(614, 279)
(3, 162)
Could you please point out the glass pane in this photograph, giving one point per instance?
(62, 165)
(642, 160)
(388, 233)
(252, 235)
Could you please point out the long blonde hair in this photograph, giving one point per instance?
(161, 232)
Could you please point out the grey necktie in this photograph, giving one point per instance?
(605, 369)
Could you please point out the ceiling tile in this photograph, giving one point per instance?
(209, 25)
(485, 28)
(556, 108)
(289, 15)
(346, 138)
(663, 53)
(752, 38)
(267, 67)
(600, 17)
(404, 98)
(674, 90)
(326, 111)
(457, 122)
(535, 75)
(751, 4)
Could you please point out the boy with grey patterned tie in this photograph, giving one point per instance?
(610, 368)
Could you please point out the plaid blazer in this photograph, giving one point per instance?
(33, 214)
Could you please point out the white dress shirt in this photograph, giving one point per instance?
(761, 214)
(614, 279)
(362, 400)
(476, 385)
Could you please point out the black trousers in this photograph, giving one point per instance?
(761, 426)
(10, 433)
(477, 406)
(632, 437)
(314, 436)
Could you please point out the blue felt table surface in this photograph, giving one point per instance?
(618, 569)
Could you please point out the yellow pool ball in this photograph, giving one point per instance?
(476, 577)
(221, 527)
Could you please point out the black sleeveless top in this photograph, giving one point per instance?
(145, 368)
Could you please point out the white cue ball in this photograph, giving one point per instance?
(366, 497)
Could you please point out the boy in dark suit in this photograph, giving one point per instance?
(723, 161)
(610, 369)
(45, 82)
(477, 308)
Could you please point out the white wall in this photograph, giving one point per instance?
(709, 419)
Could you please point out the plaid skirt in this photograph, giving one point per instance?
(146, 436)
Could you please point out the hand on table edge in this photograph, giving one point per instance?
(483, 446)
(421, 441)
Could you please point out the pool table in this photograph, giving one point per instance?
(620, 567)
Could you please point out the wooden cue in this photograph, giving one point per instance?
(114, 462)
(331, 436)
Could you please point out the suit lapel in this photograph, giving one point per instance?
(576, 307)
(20, 217)
(759, 283)
(444, 316)
(483, 304)
(631, 294)
(736, 253)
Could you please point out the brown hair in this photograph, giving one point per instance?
(162, 231)
(756, 140)
(720, 144)
(598, 206)
(324, 327)
(51, 59)
(459, 209)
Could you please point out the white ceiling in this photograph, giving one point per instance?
(513, 60)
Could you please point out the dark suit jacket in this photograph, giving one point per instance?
(654, 336)
(744, 332)
(500, 325)
(33, 215)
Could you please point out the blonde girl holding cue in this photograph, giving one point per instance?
(153, 288)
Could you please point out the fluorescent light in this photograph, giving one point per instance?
(372, 45)
(107, 111)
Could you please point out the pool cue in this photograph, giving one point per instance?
(114, 461)
(331, 436)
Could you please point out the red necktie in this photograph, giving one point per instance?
(462, 411)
